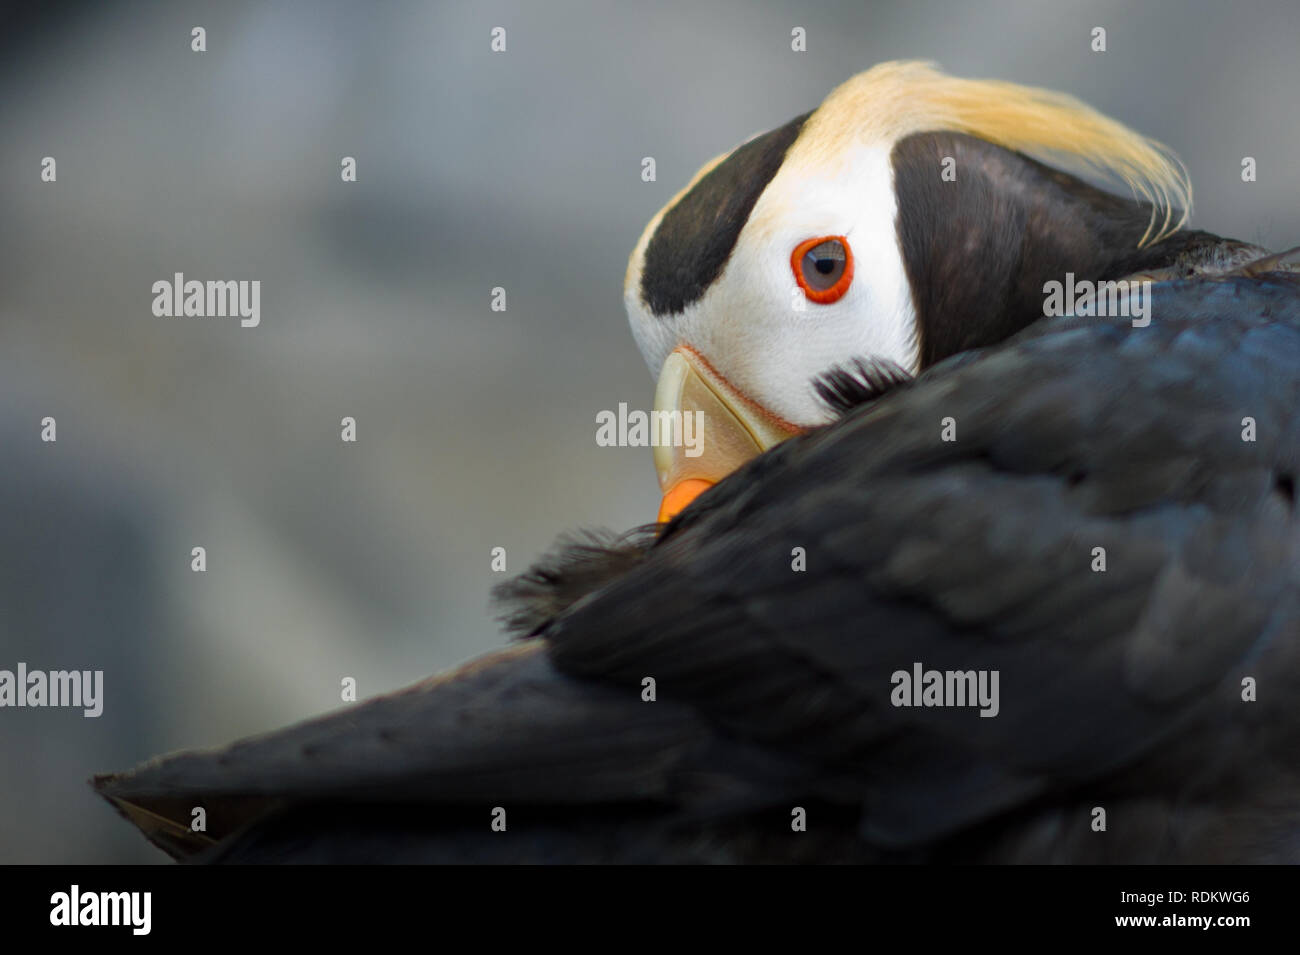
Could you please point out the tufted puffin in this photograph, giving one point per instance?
(964, 582)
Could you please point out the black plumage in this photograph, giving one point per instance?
(1120, 689)
(978, 249)
(862, 380)
(697, 234)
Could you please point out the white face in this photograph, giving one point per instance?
(758, 327)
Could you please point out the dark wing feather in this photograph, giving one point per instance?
(504, 730)
(1120, 689)
(977, 553)
(577, 565)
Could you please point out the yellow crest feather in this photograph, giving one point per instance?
(896, 99)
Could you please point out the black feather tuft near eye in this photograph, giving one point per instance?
(576, 565)
(844, 388)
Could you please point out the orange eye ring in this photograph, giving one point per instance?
(834, 292)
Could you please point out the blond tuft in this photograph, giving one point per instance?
(897, 99)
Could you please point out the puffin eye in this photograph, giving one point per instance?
(823, 267)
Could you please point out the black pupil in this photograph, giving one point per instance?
(824, 264)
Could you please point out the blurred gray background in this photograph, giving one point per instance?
(476, 428)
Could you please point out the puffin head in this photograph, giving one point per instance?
(902, 221)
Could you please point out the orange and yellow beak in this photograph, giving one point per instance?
(726, 429)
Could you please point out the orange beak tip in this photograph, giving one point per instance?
(680, 495)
